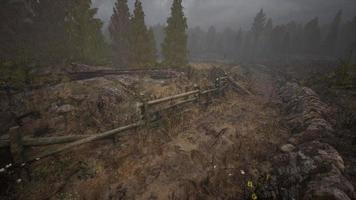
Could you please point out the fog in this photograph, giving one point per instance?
(237, 13)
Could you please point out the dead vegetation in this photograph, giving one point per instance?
(195, 152)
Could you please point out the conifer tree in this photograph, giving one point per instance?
(312, 36)
(152, 47)
(211, 40)
(330, 42)
(238, 44)
(257, 30)
(174, 46)
(67, 31)
(51, 37)
(16, 19)
(141, 48)
(119, 32)
(258, 24)
(85, 37)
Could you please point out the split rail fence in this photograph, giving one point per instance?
(17, 143)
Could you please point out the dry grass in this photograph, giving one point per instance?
(195, 152)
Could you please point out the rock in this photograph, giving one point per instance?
(287, 148)
(65, 109)
(319, 166)
(326, 193)
(78, 98)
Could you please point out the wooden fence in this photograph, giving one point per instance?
(148, 110)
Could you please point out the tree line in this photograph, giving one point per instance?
(134, 44)
(266, 41)
(48, 32)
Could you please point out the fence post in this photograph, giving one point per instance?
(16, 145)
(144, 110)
(196, 87)
(218, 86)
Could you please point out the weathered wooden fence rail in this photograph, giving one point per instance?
(17, 143)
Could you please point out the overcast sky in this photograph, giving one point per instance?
(236, 13)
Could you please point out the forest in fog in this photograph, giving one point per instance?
(266, 40)
(43, 32)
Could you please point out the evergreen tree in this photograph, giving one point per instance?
(16, 31)
(258, 25)
(174, 46)
(257, 30)
(152, 47)
(119, 31)
(51, 37)
(266, 39)
(238, 44)
(85, 37)
(67, 31)
(211, 40)
(331, 38)
(312, 37)
(141, 53)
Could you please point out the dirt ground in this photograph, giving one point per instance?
(197, 152)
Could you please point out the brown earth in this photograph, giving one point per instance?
(225, 147)
(198, 152)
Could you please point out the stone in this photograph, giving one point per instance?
(65, 109)
(326, 193)
(287, 148)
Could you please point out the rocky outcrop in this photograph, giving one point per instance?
(309, 168)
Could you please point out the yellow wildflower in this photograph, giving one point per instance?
(249, 184)
(254, 196)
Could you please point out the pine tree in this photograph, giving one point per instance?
(211, 40)
(312, 37)
(238, 44)
(85, 36)
(331, 38)
(67, 31)
(152, 54)
(16, 31)
(174, 46)
(257, 30)
(141, 44)
(119, 31)
(51, 37)
(258, 24)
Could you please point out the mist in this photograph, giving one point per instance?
(236, 13)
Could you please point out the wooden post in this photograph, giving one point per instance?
(16, 145)
(198, 95)
(144, 110)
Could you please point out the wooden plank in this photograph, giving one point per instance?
(209, 91)
(44, 141)
(108, 134)
(157, 101)
(52, 140)
(179, 103)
